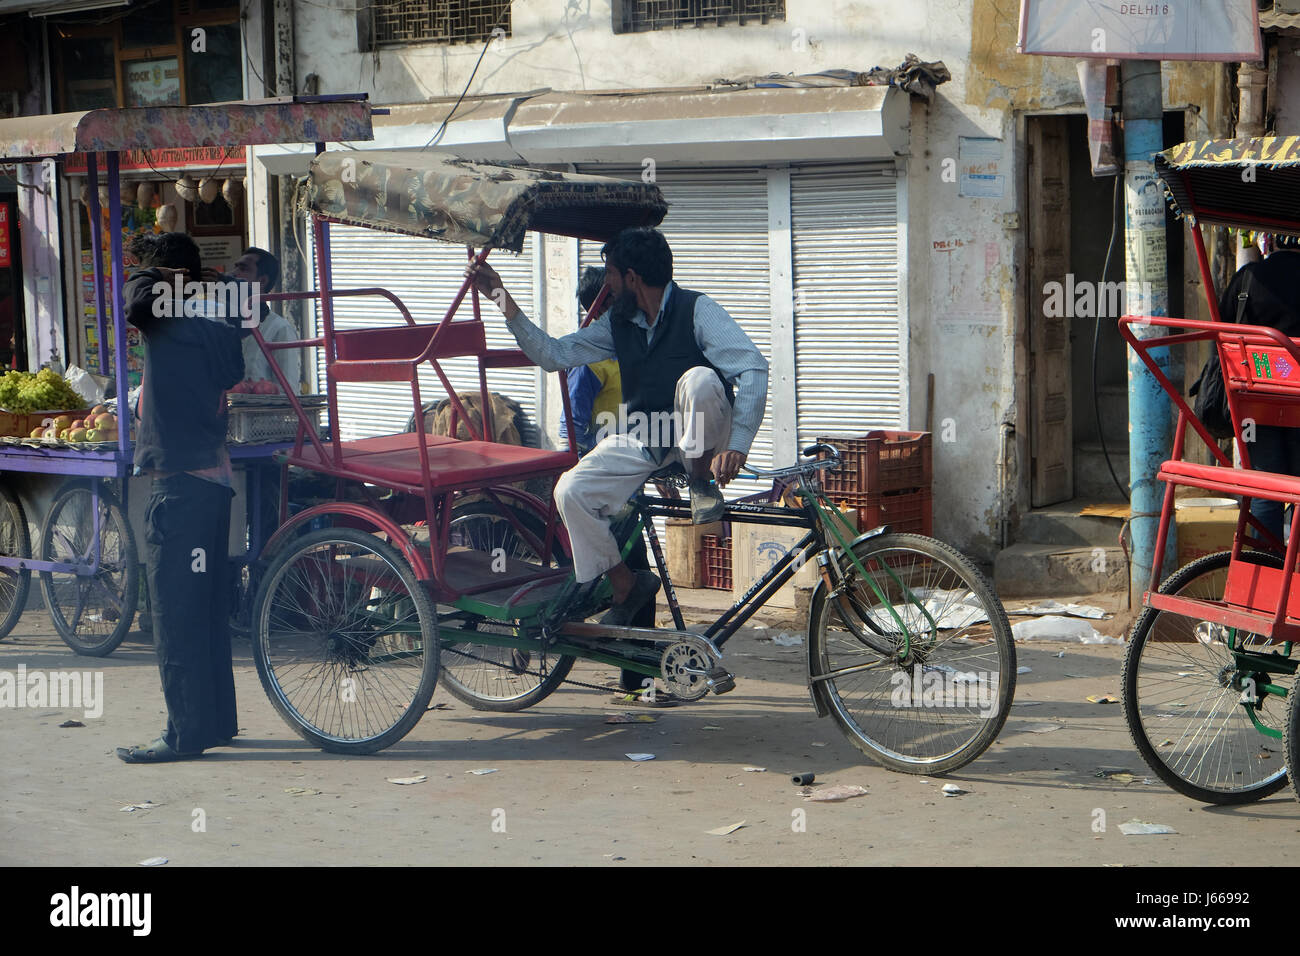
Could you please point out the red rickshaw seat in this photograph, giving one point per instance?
(1232, 481)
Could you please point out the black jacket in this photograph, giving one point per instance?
(1273, 298)
(189, 363)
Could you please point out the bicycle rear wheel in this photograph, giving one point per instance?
(1183, 691)
(491, 676)
(345, 641)
(928, 697)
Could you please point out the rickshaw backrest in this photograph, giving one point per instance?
(387, 354)
(1262, 378)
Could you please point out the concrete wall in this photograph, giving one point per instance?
(965, 258)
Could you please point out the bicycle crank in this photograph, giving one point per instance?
(690, 669)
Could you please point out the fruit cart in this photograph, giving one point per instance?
(84, 550)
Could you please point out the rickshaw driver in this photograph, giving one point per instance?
(692, 359)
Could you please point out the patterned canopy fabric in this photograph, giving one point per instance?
(225, 124)
(1244, 183)
(442, 196)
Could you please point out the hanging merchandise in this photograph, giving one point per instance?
(208, 189)
(144, 195)
(233, 191)
(186, 189)
(166, 218)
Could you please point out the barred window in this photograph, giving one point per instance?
(438, 21)
(637, 16)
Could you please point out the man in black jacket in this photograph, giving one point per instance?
(192, 355)
(1272, 297)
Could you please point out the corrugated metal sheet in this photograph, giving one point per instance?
(425, 275)
(848, 350)
(717, 227)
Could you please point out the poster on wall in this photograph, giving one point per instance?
(219, 252)
(1128, 29)
(152, 82)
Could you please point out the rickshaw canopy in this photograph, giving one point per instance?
(1242, 183)
(253, 123)
(439, 195)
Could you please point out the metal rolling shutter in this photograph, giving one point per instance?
(717, 225)
(849, 355)
(425, 275)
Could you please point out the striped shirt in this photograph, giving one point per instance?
(721, 339)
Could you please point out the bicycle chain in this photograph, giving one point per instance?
(568, 680)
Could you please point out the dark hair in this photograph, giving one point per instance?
(643, 250)
(593, 277)
(267, 265)
(173, 250)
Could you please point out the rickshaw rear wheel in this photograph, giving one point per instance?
(489, 676)
(15, 542)
(345, 640)
(940, 706)
(1181, 704)
(92, 613)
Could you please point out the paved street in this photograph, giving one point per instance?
(565, 793)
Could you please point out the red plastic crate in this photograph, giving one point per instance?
(715, 560)
(908, 511)
(880, 462)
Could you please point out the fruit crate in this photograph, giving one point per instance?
(880, 462)
(715, 560)
(22, 424)
(907, 511)
(255, 424)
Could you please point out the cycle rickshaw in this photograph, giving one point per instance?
(449, 571)
(1209, 671)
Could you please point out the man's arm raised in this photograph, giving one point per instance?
(583, 347)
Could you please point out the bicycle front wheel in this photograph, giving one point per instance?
(1183, 695)
(915, 659)
(14, 543)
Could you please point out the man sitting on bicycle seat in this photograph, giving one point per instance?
(694, 391)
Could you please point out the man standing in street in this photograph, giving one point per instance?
(191, 358)
(680, 355)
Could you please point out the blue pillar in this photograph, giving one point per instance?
(1146, 293)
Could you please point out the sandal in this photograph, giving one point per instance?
(156, 752)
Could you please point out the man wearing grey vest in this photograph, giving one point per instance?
(694, 392)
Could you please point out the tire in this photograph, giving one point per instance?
(487, 676)
(958, 715)
(1208, 749)
(15, 542)
(91, 613)
(326, 644)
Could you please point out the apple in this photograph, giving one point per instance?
(93, 435)
(77, 434)
(50, 434)
(38, 432)
(104, 422)
(62, 422)
(98, 410)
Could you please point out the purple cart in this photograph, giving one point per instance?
(84, 551)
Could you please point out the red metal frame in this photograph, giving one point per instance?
(1256, 598)
(391, 354)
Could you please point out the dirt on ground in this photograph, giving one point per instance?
(563, 790)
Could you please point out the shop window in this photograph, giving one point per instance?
(150, 26)
(214, 75)
(637, 16)
(438, 21)
(89, 68)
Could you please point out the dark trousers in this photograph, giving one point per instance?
(187, 528)
(1277, 450)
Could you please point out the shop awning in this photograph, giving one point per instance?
(48, 8)
(292, 120)
(438, 195)
(1245, 183)
(859, 123)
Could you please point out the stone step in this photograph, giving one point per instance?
(1065, 524)
(1092, 480)
(1045, 570)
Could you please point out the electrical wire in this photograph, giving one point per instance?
(1096, 336)
(482, 53)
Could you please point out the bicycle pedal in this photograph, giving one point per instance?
(720, 680)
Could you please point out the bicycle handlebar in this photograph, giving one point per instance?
(803, 468)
